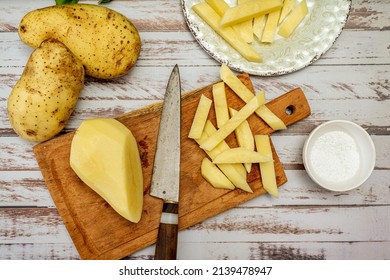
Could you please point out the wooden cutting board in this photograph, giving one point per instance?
(98, 232)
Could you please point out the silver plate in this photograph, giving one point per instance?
(313, 37)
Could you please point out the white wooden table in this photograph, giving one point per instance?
(351, 81)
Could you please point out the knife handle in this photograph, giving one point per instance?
(166, 245)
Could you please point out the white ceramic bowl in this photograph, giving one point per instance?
(339, 155)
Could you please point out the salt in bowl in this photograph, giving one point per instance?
(339, 155)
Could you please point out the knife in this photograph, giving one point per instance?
(166, 169)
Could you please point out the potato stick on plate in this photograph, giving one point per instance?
(212, 18)
(293, 19)
(258, 26)
(288, 5)
(248, 10)
(246, 27)
(220, 6)
(270, 27)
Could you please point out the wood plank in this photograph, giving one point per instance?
(374, 126)
(326, 82)
(357, 47)
(219, 251)
(363, 90)
(16, 154)
(331, 83)
(352, 47)
(369, 15)
(268, 224)
(31, 225)
(295, 224)
(282, 251)
(24, 189)
(38, 251)
(28, 189)
(147, 16)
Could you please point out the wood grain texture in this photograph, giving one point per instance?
(267, 233)
(311, 250)
(350, 81)
(154, 15)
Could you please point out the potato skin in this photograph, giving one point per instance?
(43, 99)
(105, 41)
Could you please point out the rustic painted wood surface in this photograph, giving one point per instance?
(351, 81)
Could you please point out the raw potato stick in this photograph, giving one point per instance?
(246, 27)
(267, 169)
(258, 26)
(288, 5)
(245, 94)
(220, 104)
(235, 84)
(244, 137)
(214, 176)
(200, 118)
(220, 7)
(233, 122)
(270, 27)
(248, 10)
(221, 147)
(236, 173)
(270, 118)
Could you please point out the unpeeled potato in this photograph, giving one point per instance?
(105, 41)
(43, 99)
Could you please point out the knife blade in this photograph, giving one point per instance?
(166, 168)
